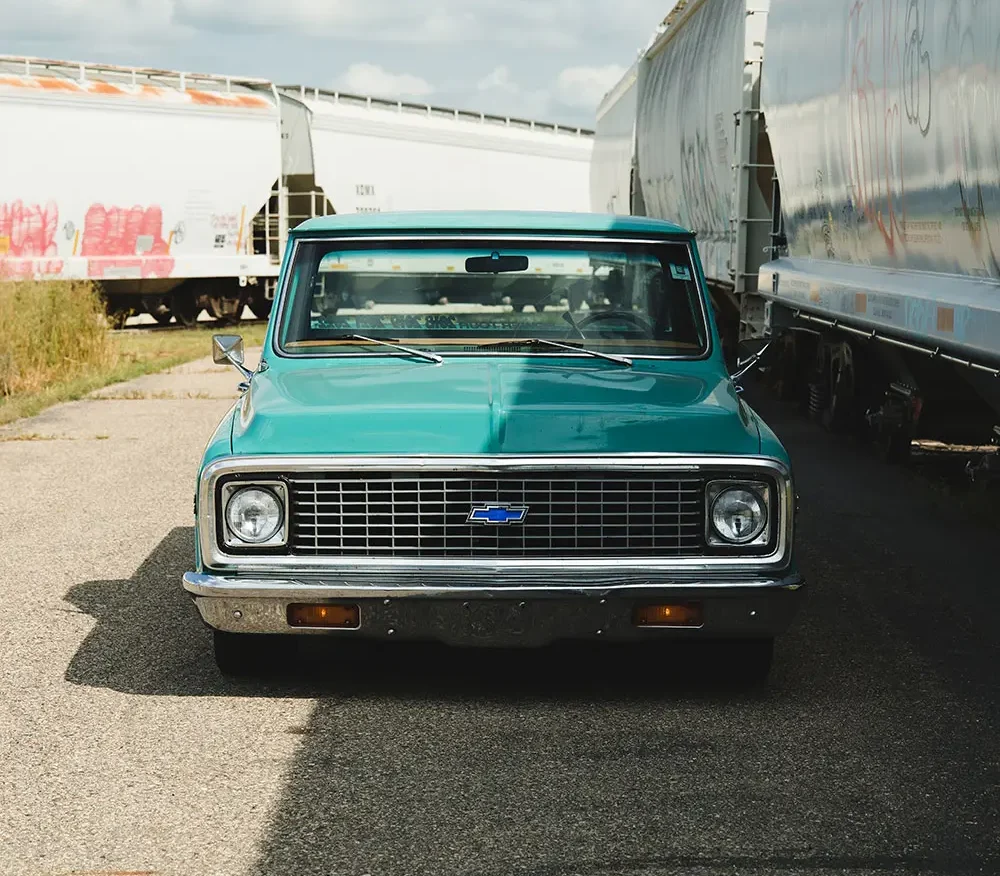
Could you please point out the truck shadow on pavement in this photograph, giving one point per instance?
(874, 749)
(874, 746)
(149, 639)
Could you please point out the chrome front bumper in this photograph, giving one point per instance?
(511, 610)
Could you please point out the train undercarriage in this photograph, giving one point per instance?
(222, 298)
(896, 397)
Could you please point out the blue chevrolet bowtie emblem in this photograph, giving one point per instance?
(498, 515)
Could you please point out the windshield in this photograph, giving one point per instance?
(450, 297)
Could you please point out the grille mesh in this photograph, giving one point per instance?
(407, 515)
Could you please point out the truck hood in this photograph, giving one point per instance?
(492, 406)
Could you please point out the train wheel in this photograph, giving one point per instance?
(819, 385)
(260, 306)
(185, 309)
(840, 410)
(159, 309)
(225, 309)
(892, 443)
(789, 374)
(119, 310)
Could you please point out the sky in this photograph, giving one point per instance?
(550, 60)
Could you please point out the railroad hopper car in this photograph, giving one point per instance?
(840, 163)
(175, 192)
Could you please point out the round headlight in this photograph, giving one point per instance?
(738, 515)
(254, 515)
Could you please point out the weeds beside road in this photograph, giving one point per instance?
(55, 346)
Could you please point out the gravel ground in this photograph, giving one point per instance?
(874, 749)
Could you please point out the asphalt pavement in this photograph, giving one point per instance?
(873, 749)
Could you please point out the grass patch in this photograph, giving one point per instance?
(32, 436)
(159, 395)
(48, 329)
(55, 346)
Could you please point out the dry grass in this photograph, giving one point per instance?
(159, 395)
(49, 330)
(32, 436)
(55, 346)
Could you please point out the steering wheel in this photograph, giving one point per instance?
(641, 324)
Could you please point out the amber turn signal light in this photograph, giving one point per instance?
(341, 617)
(685, 615)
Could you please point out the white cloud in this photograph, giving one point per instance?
(580, 88)
(501, 56)
(552, 23)
(108, 21)
(497, 80)
(498, 92)
(371, 79)
(583, 87)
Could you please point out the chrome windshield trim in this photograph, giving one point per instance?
(215, 557)
(281, 293)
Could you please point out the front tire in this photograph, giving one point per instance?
(244, 655)
(745, 661)
(755, 659)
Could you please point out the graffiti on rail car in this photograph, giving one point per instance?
(120, 241)
(917, 67)
(875, 117)
(899, 114)
(28, 240)
(972, 37)
(692, 93)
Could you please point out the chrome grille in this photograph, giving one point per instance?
(408, 515)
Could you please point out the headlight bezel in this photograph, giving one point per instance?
(766, 492)
(232, 542)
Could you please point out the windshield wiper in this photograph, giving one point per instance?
(422, 354)
(545, 342)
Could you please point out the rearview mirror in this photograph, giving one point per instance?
(496, 264)
(227, 349)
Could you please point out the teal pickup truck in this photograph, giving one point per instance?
(497, 429)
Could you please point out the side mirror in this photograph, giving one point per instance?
(749, 353)
(751, 347)
(228, 350)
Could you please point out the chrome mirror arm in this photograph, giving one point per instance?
(747, 366)
(239, 366)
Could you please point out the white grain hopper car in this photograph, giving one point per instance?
(840, 163)
(175, 191)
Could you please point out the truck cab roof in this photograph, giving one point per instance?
(492, 221)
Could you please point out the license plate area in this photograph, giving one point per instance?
(486, 620)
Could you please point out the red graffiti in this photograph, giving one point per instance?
(27, 240)
(116, 239)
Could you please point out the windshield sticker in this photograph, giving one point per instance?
(680, 272)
